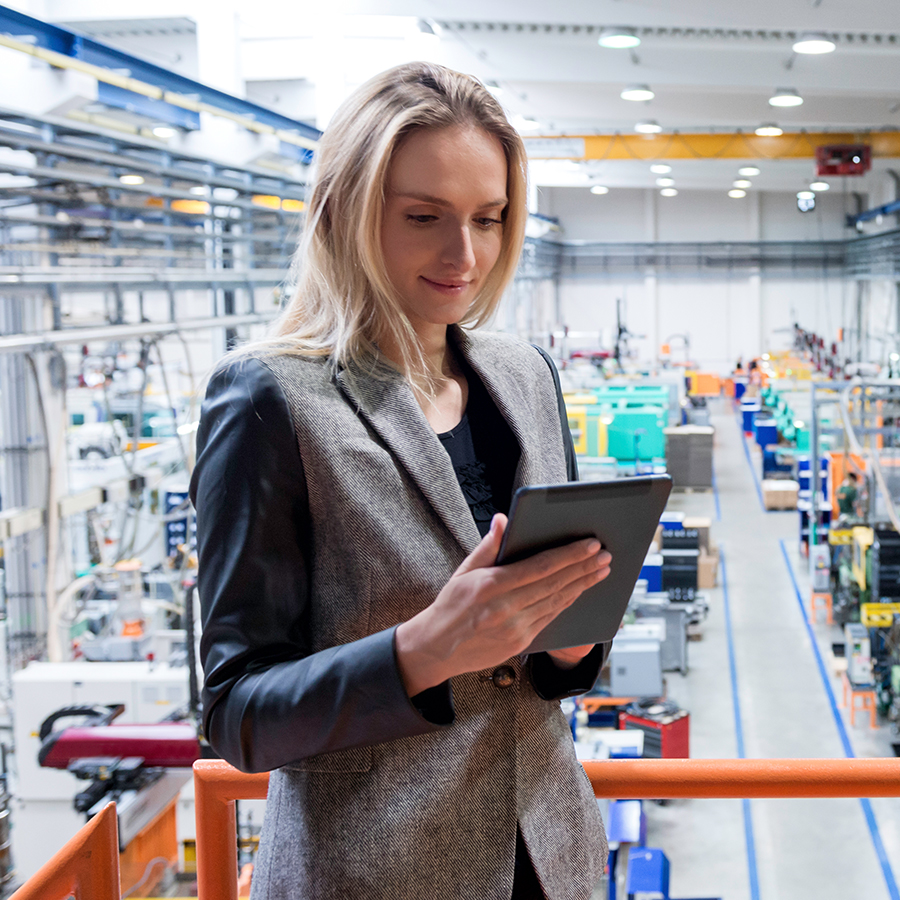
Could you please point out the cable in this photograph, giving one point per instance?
(146, 876)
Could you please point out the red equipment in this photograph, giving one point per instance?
(169, 745)
(843, 159)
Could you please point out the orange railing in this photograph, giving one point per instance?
(217, 785)
(86, 868)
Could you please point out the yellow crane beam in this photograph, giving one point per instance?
(736, 145)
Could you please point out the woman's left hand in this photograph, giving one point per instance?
(571, 656)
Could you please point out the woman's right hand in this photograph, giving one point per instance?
(486, 614)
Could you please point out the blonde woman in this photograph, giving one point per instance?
(351, 487)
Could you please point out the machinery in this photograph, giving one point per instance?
(130, 764)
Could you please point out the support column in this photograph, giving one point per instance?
(23, 483)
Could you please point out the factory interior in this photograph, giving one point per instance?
(711, 261)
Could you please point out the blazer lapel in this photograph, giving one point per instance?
(385, 400)
(506, 391)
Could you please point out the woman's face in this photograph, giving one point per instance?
(442, 229)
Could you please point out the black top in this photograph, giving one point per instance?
(485, 453)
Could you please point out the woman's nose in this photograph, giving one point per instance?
(458, 250)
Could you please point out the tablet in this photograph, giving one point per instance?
(622, 514)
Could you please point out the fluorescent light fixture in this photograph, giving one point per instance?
(769, 131)
(660, 169)
(164, 131)
(131, 179)
(737, 193)
(668, 192)
(665, 182)
(748, 171)
(637, 92)
(599, 189)
(742, 183)
(814, 43)
(785, 97)
(199, 189)
(648, 126)
(618, 38)
(806, 195)
(820, 186)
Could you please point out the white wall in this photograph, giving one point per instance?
(724, 317)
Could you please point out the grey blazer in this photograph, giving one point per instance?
(328, 512)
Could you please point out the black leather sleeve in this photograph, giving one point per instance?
(550, 681)
(267, 700)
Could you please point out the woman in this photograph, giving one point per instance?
(351, 486)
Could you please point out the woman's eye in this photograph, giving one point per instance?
(489, 223)
(421, 220)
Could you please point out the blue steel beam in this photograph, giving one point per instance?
(886, 210)
(78, 46)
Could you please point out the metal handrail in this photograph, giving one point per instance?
(86, 868)
(217, 785)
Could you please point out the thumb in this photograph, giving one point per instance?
(485, 554)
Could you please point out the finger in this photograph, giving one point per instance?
(547, 563)
(546, 610)
(535, 592)
(485, 554)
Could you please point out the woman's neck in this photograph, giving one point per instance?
(435, 350)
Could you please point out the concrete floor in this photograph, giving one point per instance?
(802, 849)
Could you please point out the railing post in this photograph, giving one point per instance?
(216, 786)
(87, 866)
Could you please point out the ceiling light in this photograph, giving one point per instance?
(742, 183)
(618, 38)
(164, 131)
(660, 169)
(749, 171)
(814, 43)
(737, 194)
(131, 179)
(649, 126)
(805, 195)
(665, 182)
(200, 189)
(785, 97)
(769, 131)
(494, 88)
(637, 92)
(668, 192)
(819, 186)
(599, 189)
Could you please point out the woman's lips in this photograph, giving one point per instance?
(446, 287)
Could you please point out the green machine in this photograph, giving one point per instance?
(625, 422)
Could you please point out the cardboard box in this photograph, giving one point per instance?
(779, 494)
(702, 524)
(707, 571)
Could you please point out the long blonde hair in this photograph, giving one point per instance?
(343, 305)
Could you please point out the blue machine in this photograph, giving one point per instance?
(750, 406)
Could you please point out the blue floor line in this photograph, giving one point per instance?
(868, 812)
(756, 483)
(716, 495)
(739, 732)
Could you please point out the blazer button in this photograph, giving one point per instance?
(504, 676)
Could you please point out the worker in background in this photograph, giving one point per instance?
(353, 477)
(847, 495)
(755, 382)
